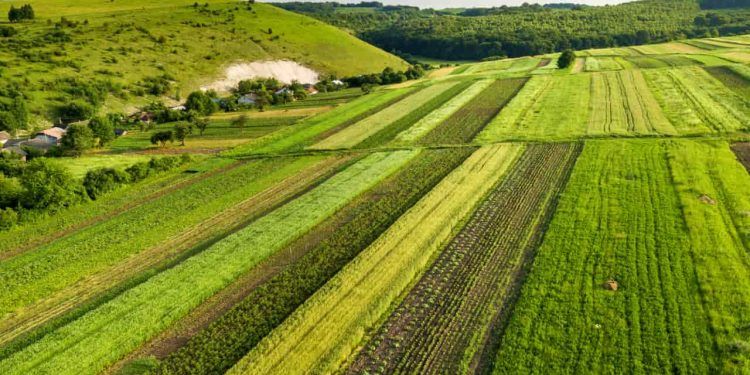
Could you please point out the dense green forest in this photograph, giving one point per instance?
(530, 29)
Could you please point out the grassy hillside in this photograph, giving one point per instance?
(123, 49)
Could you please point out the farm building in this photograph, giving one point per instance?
(310, 89)
(248, 99)
(51, 136)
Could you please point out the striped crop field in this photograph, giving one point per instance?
(696, 102)
(143, 311)
(464, 124)
(621, 103)
(447, 322)
(546, 108)
(321, 334)
(670, 265)
(554, 212)
(359, 132)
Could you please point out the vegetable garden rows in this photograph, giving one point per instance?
(508, 217)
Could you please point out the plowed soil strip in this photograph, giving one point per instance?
(203, 233)
(447, 320)
(742, 150)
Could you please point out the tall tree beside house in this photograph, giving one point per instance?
(201, 102)
(103, 129)
(77, 139)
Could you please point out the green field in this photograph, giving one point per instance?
(504, 216)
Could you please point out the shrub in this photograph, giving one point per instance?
(76, 110)
(47, 185)
(138, 171)
(103, 130)
(103, 180)
(566, 58)
(8, 218)
(77, 139)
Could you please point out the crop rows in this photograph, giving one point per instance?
(667, 48)
(621, 103)
(548, 107)
(600, 64)
(468, 121)
(733, 79)
(695, 102)
(346, 234)
(418, 115)
(359, 132)
(34, 279)
(325, 331)
(295, 138)
(86, 294)
(435, 118)
(101, 337)
(446, 320)
(659, 220)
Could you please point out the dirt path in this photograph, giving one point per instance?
(202, 234)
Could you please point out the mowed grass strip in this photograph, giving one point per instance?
(101, 337)
(467, 122)
(326, 330)
(342, 237)
(712, 187)
(446, 321)
(548, 107)
(166, 253)
(622, 104)
(601, 64)
(619, 219)
(387, 134)
(359, 132)
(296, 138)
(697, 103)
(435, 118)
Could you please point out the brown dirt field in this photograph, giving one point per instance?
(742, 150)
(543, 63)
(578, 65)
(115, 212)
(202, 234)
(442, 72)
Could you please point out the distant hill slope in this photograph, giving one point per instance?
(120, 51)
(530, 29)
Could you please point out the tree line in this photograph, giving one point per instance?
(533, 29)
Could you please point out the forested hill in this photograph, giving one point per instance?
(531, 29)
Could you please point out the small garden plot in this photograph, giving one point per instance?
(677, 60)
(608, 52)
(736, 56)
(619, 225)
(732, 79)
(646, 62)
(220, 134)
(548, 107)
(446, 322)
(321, 334)
(468, 121)
(359, 132)
(622, 104)
(328, 248)
(709, 60)
(703, 44)
(667, 48)
(435, 118)
(297, 137)
(742, 150)
(695, 102)
(81, 165)
(419, 116)
(487, 66)
(600, 64)
(101, 337)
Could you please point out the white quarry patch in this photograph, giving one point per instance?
(283, 70)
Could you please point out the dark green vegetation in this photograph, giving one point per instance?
(447, 322)
(468, 121)
(529, 30)
(344, 236)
